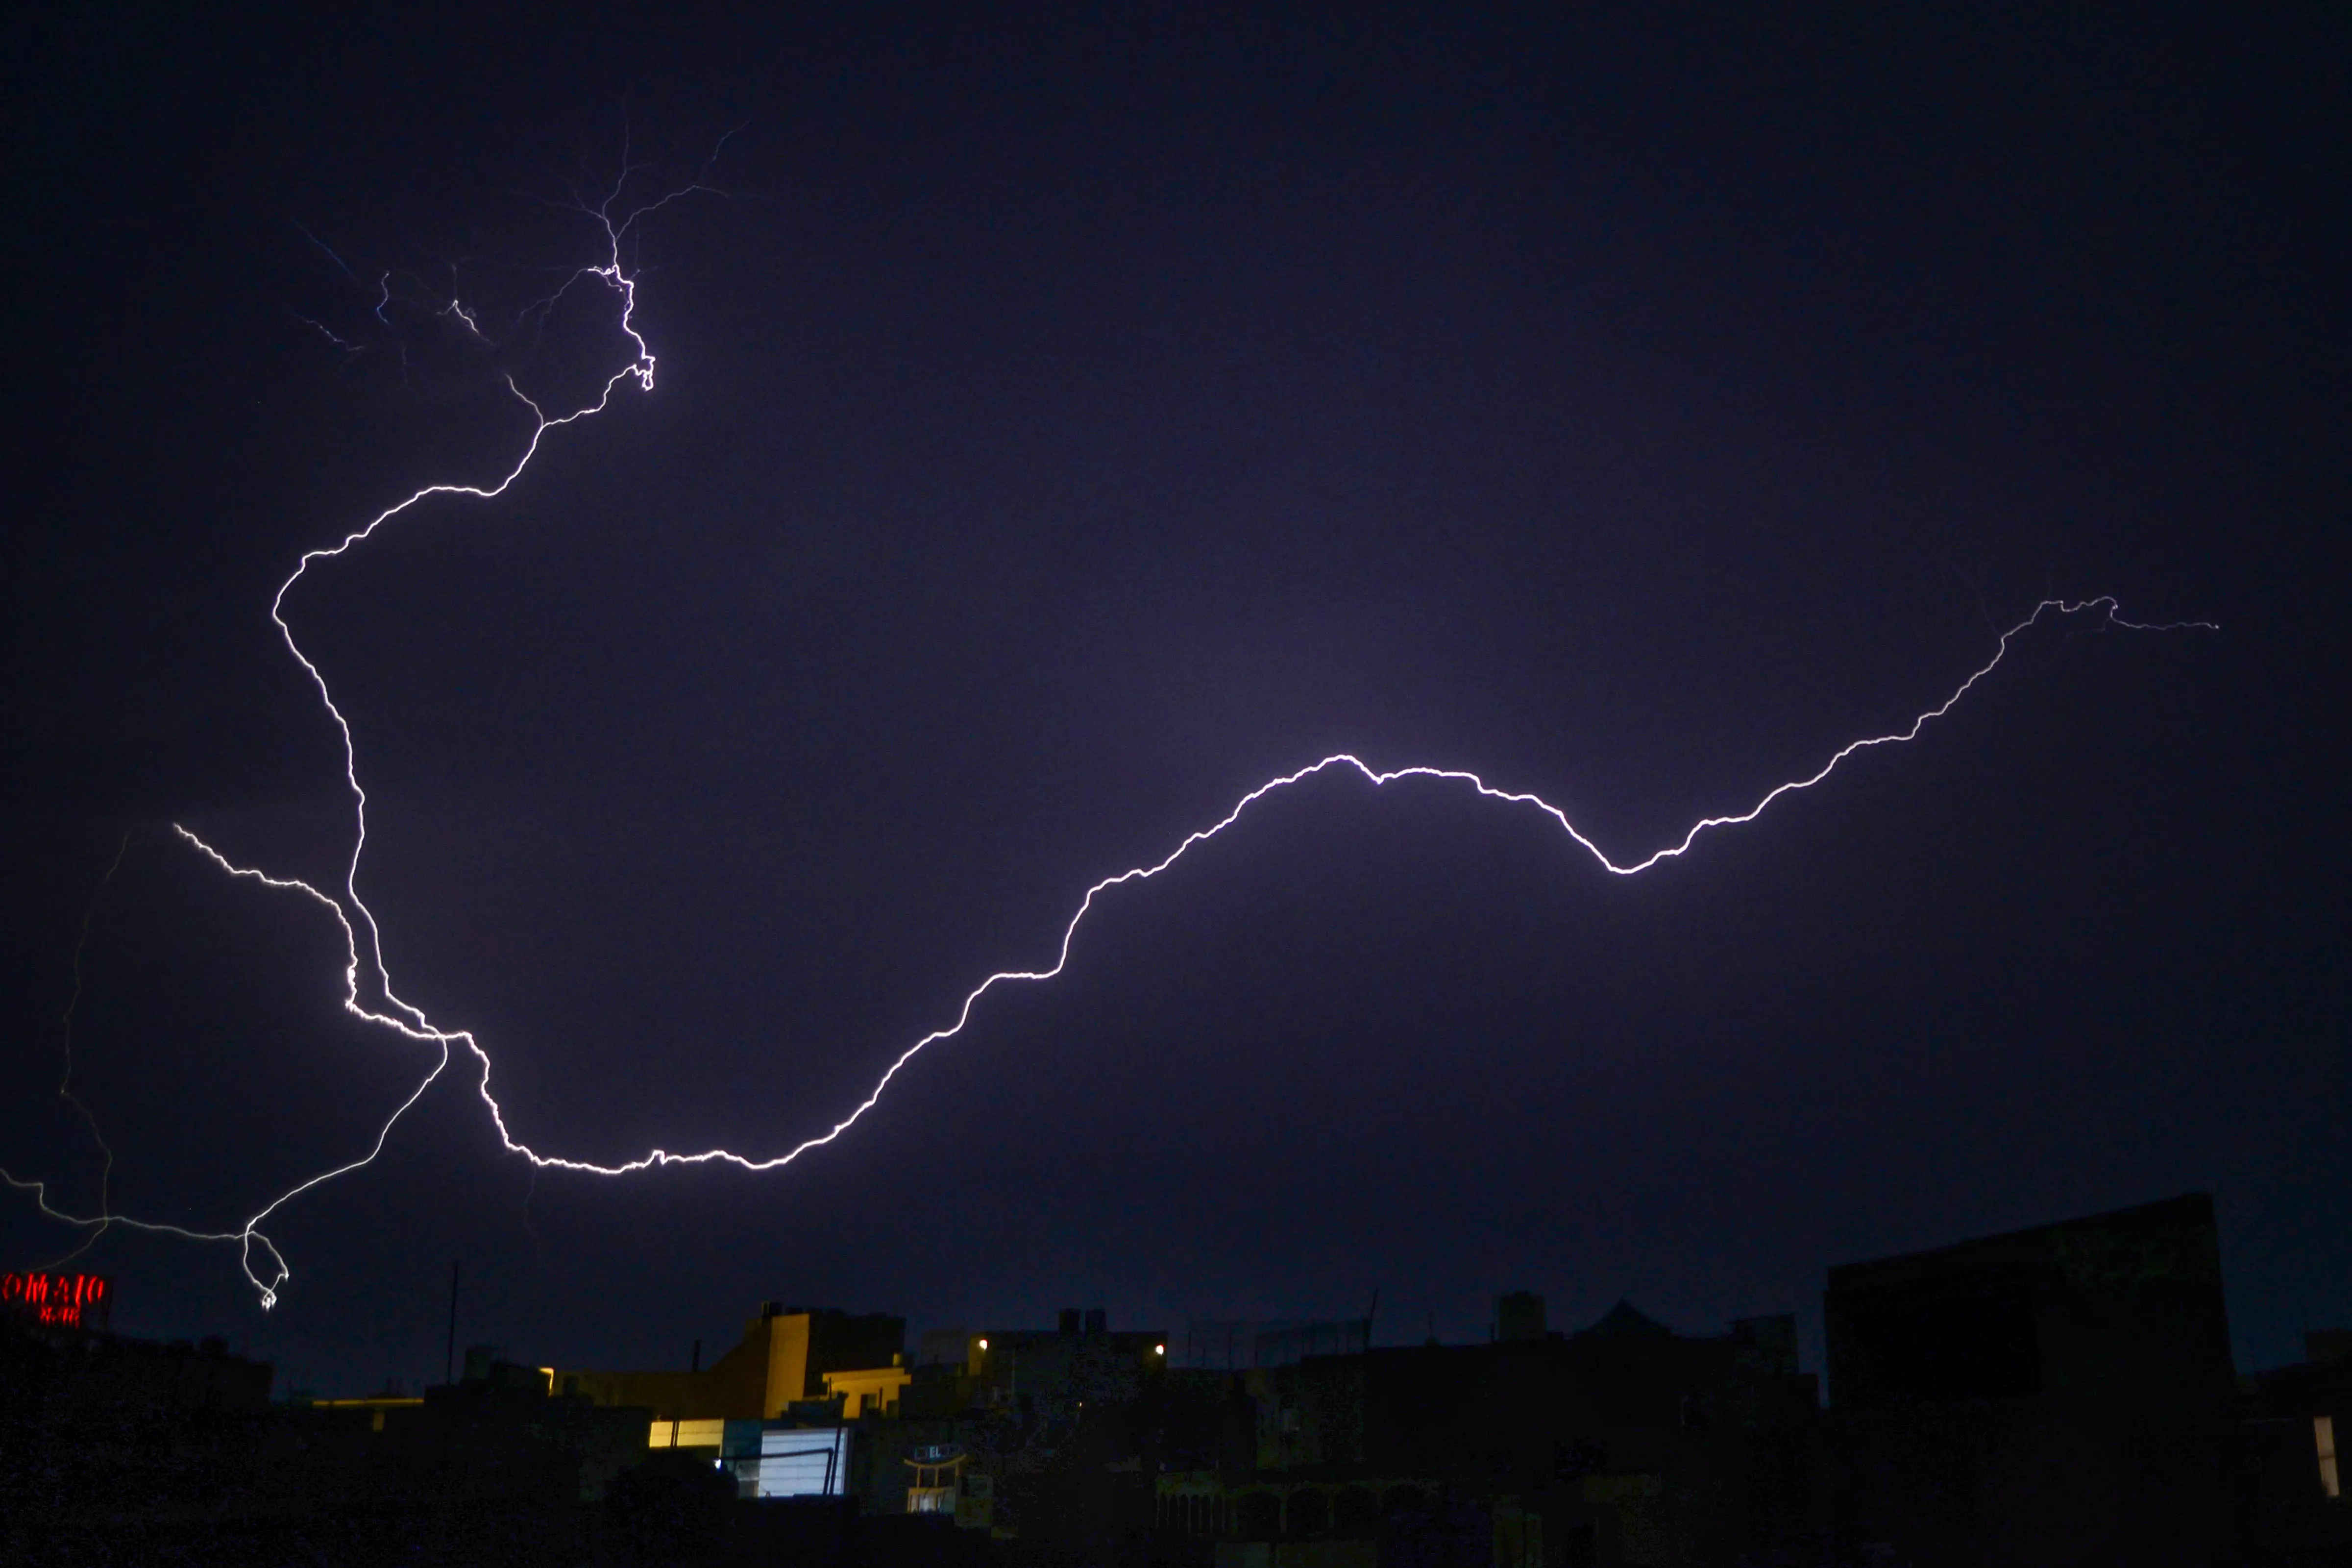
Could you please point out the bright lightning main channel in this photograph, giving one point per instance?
(380, 1005)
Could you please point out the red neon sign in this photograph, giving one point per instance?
(67, 1300)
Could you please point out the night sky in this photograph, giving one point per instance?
(1067, 421)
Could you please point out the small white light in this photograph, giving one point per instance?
(983, 1344)
(1160, 1350)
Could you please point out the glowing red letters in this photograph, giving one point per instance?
(66, 1300)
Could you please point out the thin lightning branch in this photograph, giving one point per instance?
(330, 249)
(325, 331)
(65, 1031)
(389, 1011)
(395, 1014)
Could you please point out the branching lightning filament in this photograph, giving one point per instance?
(368, 991)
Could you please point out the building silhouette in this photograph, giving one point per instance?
(2055, 1395)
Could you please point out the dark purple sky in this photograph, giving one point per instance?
(1064, 425)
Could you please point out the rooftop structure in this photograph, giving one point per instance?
(786, 1357)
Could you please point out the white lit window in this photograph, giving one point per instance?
(804, 1462)
(2323, 1434)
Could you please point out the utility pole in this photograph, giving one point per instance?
(449, 1353)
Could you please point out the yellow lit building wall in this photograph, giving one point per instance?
(787, 1362)
(869, 1390)
(686, 1435)
(748, 1383)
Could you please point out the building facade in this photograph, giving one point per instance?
(2062, 1394)
(785, 1358)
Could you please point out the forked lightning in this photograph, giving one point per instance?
(363, 945)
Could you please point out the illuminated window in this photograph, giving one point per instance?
(2323, 1436)
(685, 1434)
(804, 1462)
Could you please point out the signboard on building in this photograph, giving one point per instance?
(62, 1300)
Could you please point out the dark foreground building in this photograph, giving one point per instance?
(2060, 1395)
(2056, 1396)
(115, 1449)
(2293, 1509)
(1624, 1443)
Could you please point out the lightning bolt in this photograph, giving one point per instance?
(362, 939)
